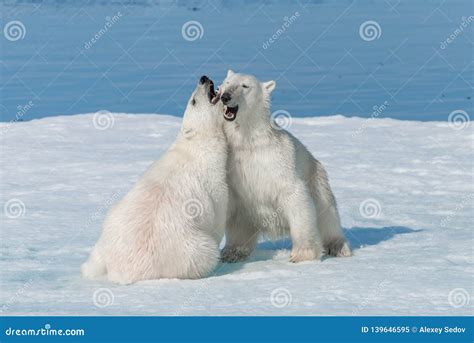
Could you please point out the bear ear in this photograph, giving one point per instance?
(230, 72)
(269, 86)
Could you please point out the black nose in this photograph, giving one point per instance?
(203, 79)
(225, 97)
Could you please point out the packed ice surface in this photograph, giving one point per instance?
(404, 188)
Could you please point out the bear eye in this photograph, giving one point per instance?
(244, 85)
(193, 102)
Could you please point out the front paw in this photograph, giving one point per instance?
(305, 254)
(338, 248)
(233, 254)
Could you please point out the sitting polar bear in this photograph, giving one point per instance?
(275, 184)
(172, 221)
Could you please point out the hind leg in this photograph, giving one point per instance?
(94, 267)
(202, 256)
(329, 223)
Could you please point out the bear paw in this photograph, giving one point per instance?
(305, 254)
(234, 254)
(338, 248)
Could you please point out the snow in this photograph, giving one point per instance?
(413, 249)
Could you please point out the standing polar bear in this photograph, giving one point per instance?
(275, 184)
(172, 221)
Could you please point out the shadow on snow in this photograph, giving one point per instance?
(358, 238)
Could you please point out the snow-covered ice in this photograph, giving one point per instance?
(404, 189)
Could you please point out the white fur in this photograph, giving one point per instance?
(276, 186)
(172, 221)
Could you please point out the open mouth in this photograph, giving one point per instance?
(230, 113)
(213, 96)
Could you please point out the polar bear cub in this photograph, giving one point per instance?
(172, 221)
(276, 186)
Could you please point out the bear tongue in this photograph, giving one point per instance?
(228, 114)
